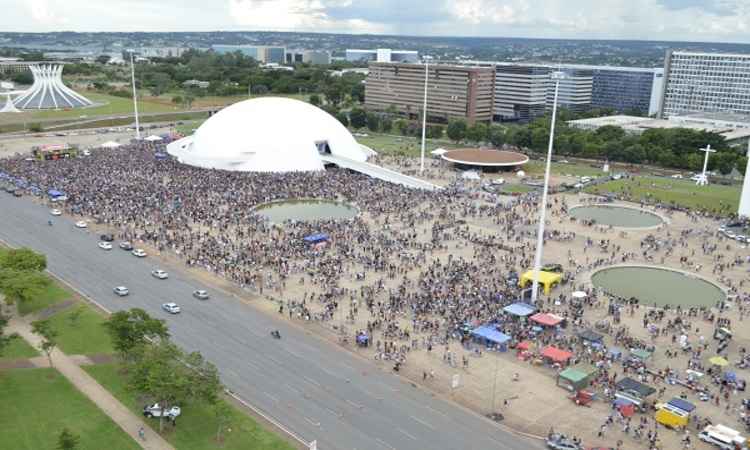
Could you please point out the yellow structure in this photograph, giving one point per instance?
(672, 417)
(546, 279)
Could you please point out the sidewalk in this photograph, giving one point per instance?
(122, 416)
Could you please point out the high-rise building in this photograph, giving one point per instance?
(625, 89)
(382, 55)
(454, 92)
(315, 57)
(262, 54)
(705, 82)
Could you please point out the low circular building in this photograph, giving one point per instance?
(268, 134)
(485, 159)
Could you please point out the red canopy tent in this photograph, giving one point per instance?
(525, 345)
(556, 354)
(548, 320)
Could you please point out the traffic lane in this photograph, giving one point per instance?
(80, 240)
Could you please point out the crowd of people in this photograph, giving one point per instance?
(415, 271)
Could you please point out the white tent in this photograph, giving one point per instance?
(470, 175)
(110, 144)
(439, 151)
(153, 138)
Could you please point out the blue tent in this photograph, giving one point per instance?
(315, 238)
(161, 156)
(490, 333)
(682, 405)
(520, 309)
(55, 193)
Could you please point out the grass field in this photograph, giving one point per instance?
(566, 169)
(112, 105)
(386, 144)
(17, 349)
(516, 188)
(40, 403)
(196, 427)
(52, 295)
(683, 193)
(85, 337)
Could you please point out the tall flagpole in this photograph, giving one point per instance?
(557, 76)
(744, 210)
(135, 98)
(424, 112)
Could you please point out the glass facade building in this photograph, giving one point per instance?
(626, 89)
(259, 53)
(705, 82)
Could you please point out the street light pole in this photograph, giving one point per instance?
(557, 77)
(424, 112)
(135, 98)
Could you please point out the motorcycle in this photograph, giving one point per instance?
(275, 334)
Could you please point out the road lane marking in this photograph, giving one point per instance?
(272, 397)
(354, 404)
(292, 388)
(311, 381)
(402, 431)
(435, 410)
(385, 444)
(312, 422)
(422, 422)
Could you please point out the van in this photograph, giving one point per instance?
(723, 437)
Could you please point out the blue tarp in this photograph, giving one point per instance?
(315, 238)
(520, 309)
(682, 405)
(55, 193)
(161, 156)
(491, 334)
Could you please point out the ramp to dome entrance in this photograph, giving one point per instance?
(381, 173)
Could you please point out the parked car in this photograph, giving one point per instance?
(127, 246)
(200, 294)
(122, 291)
(55, 212)
(559, 442)
(139, 253)
(156, 411)
(171, 308)
(160, 274)
(81, 224)
(105, 245)
(107, 237)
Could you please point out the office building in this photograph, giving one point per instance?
(625, 89)
(262, 54)
(313, 57)
(161, 52)
(384, 55)
(454, 92)
(705, 82)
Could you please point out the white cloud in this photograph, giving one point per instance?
(297, 15)
(42, 12)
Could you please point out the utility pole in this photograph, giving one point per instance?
(424, 111)
(135, 97)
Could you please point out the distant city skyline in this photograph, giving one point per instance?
(671, 20)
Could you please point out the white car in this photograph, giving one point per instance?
(156, 411)
(160, 274)
(200, 294)
(81, 224)
(171, 308)
(105, 245)
(677, 176)
(139, 253)
(55, 212)
(122, 291)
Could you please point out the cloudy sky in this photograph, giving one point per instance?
(699, 20)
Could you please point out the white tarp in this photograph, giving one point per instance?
(153, 138)
(439, 152)
(110, 144)
(470, 175)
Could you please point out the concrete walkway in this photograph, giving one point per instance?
(68, 367)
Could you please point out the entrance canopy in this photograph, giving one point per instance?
(548, 320)
(547, 279)
(520, 309)
(556, 354)
(490, 333)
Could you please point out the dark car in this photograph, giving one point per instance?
(107, 238)
(553, 267)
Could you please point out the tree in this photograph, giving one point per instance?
(401, 126)
(5, 340)
(178, 100)
(67, 440)
(103, 59)
(358, 118)
(75, 316)
(457, 130)
(333, 94)
(23, 259)
(358, 92)
(168, 377)
(130, 330)
(24, 77)
(36, 127)
(373, 122)
(188, 100)
(315, 100)
(223, 413)
(343, 118)
(496, 136)
(44, 329)
(477, 132)
(434, 131)
(22, 286)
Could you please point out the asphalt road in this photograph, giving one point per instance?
(316, 390)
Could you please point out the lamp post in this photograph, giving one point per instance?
(424, 111)
(135, 97)
(556, 77)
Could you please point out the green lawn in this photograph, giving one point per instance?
(86, 337)
(196, 427)
(39, 403)
(717, 198)
(516, 188)
(112, 105)
(17, 349)
(567, 169)
(52, 295)
(386, 144)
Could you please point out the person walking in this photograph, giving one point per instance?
(142, 433)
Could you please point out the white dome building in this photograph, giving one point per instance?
(268, 134)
